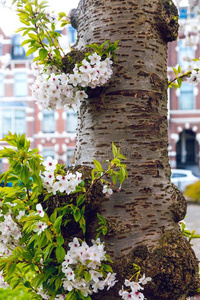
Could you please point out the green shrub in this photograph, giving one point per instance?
(18, 294)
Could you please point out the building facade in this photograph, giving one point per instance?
(184, 103)
(52, 132)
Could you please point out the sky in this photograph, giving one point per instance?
(9, 20)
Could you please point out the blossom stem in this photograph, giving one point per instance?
(181, 76)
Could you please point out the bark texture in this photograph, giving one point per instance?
(131, 111)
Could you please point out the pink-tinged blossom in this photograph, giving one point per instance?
(74, 244)
(81, 95)
(69, 274)
(50, 164)
(39, 209)
(39, 227)
(85, 67)
(106, 190)
(48, 177)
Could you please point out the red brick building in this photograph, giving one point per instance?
(52, 132)
(184, 104)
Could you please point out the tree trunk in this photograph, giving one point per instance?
(131, 111)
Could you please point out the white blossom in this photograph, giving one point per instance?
(39, 209)
(106, 190)
(3, 284)
(39, 227)
(50, 164)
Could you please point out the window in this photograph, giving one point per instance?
(18, 52)
(71, 121)
(1, 49)
(12, 120)
(21, 86)
(183, 53)
(48, 152)
(188, 12)
(70, 157)
(183, 12)
(186, 98)
(1, 85)
(48, 121)
(72, 34)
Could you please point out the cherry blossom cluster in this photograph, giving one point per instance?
(88, 259)
(59, 183)
(54, 90)
(134, 289)
(10, 235)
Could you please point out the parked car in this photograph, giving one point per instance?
(182, 178)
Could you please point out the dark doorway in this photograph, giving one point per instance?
(186, 149)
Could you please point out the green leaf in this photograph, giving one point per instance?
(53, 216)
(114, 180)
(97, 165)
(121, 175)
(102, 219)
(82, 225)
(107, 268)
(31, 50)
(48, 250)
(25, 42)
(71, 295)
(179, 69)
(48, 235)
(80, 200)
(114, 150)
(20, 29)
(179, 81)
(87, 276)
(60, 240)
(38, 280)
(33, 36)
(58, 283)
(43, 54)
(60, 253)
(175, 71)
(58, 223)
(25, 174)
(11, 268)
(77, 214)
